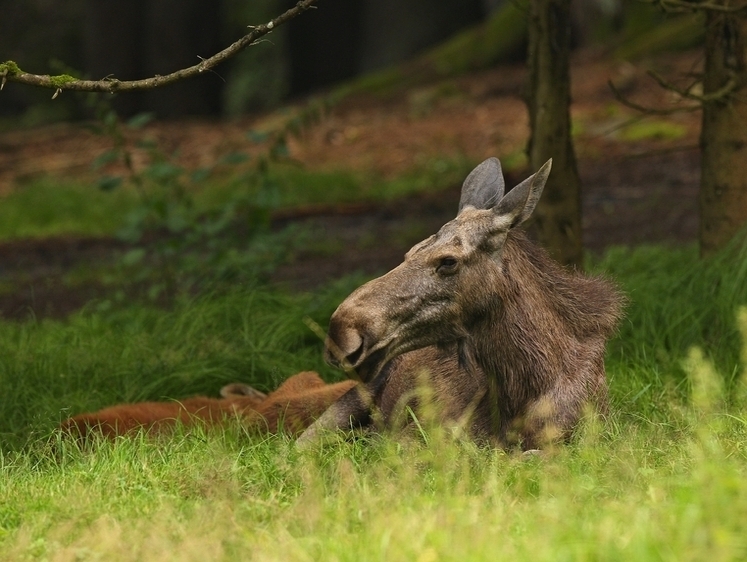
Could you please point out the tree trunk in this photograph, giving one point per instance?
(723, 137)
(558, 214)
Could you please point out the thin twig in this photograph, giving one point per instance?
(649, 110)
(112, 85)
(679, 6)
(719, 95)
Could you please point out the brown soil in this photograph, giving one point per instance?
(640, 185)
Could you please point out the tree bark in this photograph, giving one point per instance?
(558, 214)
(723, 137)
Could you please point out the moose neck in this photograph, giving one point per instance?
(541, 322)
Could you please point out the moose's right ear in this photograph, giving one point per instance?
(518, 204)
(484, 186)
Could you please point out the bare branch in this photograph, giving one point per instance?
(10, 72)
(648, 110)
(695, 6)
(722, 93)
(719, 95)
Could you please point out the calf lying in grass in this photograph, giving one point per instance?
(291, 408)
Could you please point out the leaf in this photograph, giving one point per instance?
(147, 144)
(140, 120)
(155, 291)
(200, 175)
(176, 222)
(163, 171)
(280, 150)
(105, 158)
(109, 183)
(234, 158)
(110, 119)
(133, 257)
(257, 136)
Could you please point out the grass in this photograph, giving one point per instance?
(99, 357)
(677, 302)
(47, 207)
(662, 479)
(631, 492)
(289, 185)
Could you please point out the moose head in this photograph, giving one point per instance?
(447, 283)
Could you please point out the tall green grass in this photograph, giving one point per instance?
(664, 478)
(676, 301)
(50, 369)
(633, 492)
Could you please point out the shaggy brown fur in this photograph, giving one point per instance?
(503, 331)
(291, 408)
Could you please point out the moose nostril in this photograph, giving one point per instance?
(344, 345)
(355, 356)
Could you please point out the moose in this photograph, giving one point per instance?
(291, 408)
(478, 321)
(511, 343)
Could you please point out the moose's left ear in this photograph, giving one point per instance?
(518, 204)
(239, 389)
(484, 186)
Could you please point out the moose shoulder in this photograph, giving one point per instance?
(510, 338)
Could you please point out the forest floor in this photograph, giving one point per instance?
(640, 174)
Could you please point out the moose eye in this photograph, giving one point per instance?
(447, 265)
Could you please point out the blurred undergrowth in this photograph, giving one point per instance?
(187, 228)
(174, 240)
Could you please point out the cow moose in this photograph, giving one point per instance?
(292, 407)
(512, 343)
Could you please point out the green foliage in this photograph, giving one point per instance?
(677, 301)
(500, 38)
(633, 492)
(47, 207)
(177, 232)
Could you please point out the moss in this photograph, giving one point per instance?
(9, 68)
(60, 80)
(676, 34)
(498, 39)
(652, 130)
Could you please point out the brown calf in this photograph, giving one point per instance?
(291, 408)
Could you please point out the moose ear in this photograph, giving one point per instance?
(238, 389)
(518, 204)
(484, 186)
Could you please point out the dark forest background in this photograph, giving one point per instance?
(141, 38)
